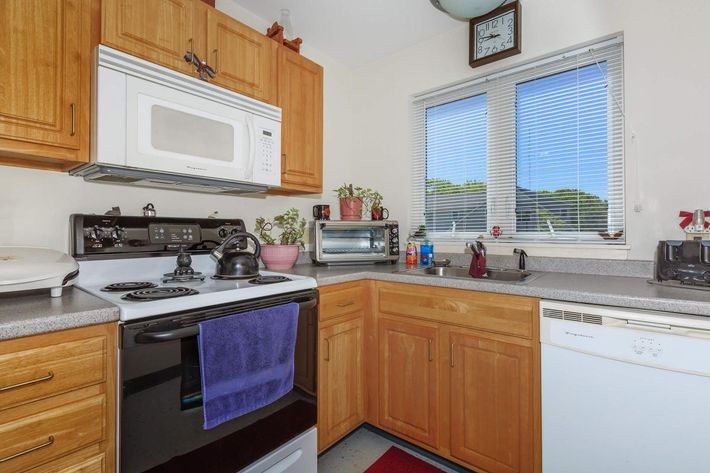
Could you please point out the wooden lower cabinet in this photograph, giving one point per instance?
(409, 379)
(453, 371)
(341, 380)
(58, 401)
(341, 369)
(491, 402)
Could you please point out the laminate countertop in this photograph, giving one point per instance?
(617, 291)
(35, 312)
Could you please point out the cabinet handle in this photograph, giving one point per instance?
(50, 441)
(327, 352)
(345, 304)
(451, 355)
(431, 354)
(216, 59)
(49, 376)
(190, 46)
(73, 119)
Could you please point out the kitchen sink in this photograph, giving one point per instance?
(460, 272)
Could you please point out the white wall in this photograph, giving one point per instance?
(667, 78)
(35, 205)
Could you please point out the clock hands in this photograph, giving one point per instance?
(490, 36)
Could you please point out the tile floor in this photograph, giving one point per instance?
(357, 452)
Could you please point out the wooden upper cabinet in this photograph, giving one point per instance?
(301, 99)
(244, 59)
(341, 402)
(491, 392)
(159, 31)
(409, 379)
(45, 51)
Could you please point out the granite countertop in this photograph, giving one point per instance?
(35, 312)
(619, 291)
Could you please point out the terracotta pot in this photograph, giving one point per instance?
(351, 208)
(279, 257)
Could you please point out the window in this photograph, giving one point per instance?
(537, 150)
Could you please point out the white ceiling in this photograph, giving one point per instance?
(354, 32)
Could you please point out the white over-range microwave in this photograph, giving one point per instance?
(152, 126)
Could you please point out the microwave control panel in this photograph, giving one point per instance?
(267, 161)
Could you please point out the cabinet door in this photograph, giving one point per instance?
(301, 99)
(156, 30)
(340, 380)
(44, 78)
(244, 59)
(491, 391)
(409, 379)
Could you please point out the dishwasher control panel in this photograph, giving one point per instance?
(647, 345)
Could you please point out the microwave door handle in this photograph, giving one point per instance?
(251, 132)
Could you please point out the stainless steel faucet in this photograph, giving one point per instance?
(523, 255)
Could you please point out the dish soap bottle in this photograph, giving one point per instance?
(426, 252)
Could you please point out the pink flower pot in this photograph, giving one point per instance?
(351, 208)
(279, 257)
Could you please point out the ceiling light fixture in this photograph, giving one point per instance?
(466, 9)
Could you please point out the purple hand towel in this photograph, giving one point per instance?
(246, 361)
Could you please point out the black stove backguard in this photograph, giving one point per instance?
(685, 261)
(119, 236)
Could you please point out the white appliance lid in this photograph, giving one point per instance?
(19, 264)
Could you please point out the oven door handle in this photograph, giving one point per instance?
(193, 330)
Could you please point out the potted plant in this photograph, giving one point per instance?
(352, 199)
(377, 212)
(280, 253)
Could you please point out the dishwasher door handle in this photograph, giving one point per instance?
(193, 330)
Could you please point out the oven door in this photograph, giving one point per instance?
(342, 242)
(172, 131)
(161, 402)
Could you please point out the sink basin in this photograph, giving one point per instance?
(493, 274)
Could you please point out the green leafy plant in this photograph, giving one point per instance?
(371, 199)
(348, 191)
(375, 200)
(292, 229)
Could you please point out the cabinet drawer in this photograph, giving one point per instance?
(88, 460)
(505, 314)
(47, 434)
(341, 301)
(36, 373)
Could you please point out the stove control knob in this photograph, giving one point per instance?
(96, 233)
(118, 234)
(223, 233)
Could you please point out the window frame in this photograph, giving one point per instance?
(499, 88)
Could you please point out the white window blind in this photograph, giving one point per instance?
(536, 149)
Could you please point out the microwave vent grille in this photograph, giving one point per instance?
(143, 178)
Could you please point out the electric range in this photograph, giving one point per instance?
(159, 273)
(95, 276)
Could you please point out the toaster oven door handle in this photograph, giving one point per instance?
(193, 330)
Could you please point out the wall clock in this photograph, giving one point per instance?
(495, 35)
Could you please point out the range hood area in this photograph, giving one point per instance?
(145, 178)
(155, 127)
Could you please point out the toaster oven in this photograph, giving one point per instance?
(351, 242)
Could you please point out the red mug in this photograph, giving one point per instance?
(380, 214)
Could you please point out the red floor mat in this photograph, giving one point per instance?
(398, 461)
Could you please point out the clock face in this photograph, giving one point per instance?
(495, 35)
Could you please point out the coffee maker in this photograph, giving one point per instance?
(685, 262)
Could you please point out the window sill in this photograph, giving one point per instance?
(555, 250)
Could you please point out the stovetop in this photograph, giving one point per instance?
(133, 303)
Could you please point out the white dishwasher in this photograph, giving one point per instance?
(624, 391)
